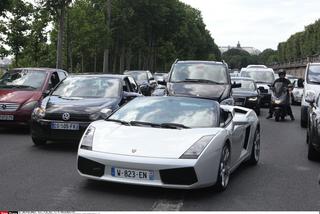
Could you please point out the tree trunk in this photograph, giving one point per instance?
(128, 59)
(121, 60)
(95, 62)
(106, 51)
(60, 38)
(82, 63)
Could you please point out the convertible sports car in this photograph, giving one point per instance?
(171, 142)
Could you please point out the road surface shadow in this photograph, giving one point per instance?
(58, 147)
(14, 130)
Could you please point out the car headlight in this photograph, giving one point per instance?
(253, 99)
(196, 149)
(39, 112)
(229, 101)
(94, 116)
(87, 139)
(29, 106)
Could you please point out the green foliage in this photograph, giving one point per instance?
(237, 58)
(15, 29)
(4, 5)
(268, 57)
(144, 34)
(301, 44)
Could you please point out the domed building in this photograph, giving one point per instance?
(250, 50)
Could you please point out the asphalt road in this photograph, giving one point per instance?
(45, 178)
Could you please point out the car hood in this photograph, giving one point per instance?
(19, 96)
(111, 137)
(54, 104)
(212, 91)
(244, 93)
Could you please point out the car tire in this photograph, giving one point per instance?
(277, 117)
(224, 169)
(255, 151)
(313, 154)
(38, 141)
(304, 117)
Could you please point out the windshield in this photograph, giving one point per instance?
(88, 87)
(199, 71)
(246, 85)
(139, 76)
(314, 74)
(259, 76)
(23, 79)
(279, 88)
(190, 112)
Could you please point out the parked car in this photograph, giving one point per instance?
(76, 102)
(145, 81)
(313, 131)
(247, 95)
(297, 92)
(22, 89)
(312, 82)
(264, 77)
(179, 142)
(206, 79)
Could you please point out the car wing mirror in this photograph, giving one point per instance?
(310, 97)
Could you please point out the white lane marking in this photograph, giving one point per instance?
(166, 205)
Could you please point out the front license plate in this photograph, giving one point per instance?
(238, 103)
(6, 117)
(132, 173)
(65, 126)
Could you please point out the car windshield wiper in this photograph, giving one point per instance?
(140, 123)
(174, 126)
(24, 86)
(119, 121)
(162, 125)
(202, 81)
(314, 82)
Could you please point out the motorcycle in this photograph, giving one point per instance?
(280, 100)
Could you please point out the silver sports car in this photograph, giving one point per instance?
(172, 142)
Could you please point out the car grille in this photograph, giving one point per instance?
(90, 167)
(73, 117)
(239, 101)
(8, 107)
(180, 176)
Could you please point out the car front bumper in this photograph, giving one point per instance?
(20, 117)
(167, 172)
(41, 129)
(265, 98)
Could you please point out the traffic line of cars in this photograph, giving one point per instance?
(192, 137)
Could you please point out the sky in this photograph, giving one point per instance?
(256, 23)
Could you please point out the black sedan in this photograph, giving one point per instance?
(145, 80)
(313, 131)
(247, 95)
(76, 102)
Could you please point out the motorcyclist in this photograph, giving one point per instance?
(287, 83)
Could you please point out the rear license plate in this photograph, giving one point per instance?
(6, 117)
(238, 103)
(65, 126)
(132, 173)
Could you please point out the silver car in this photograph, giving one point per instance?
(172, 142)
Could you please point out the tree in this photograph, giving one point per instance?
(15, 28)
(237, 58)
(58, 10)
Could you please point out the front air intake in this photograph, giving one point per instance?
(179, 176)
(89, 167)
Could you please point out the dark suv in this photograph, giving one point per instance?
(206, 79)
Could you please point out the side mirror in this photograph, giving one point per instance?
(236, 85)
(105, 113)
(310, 97)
